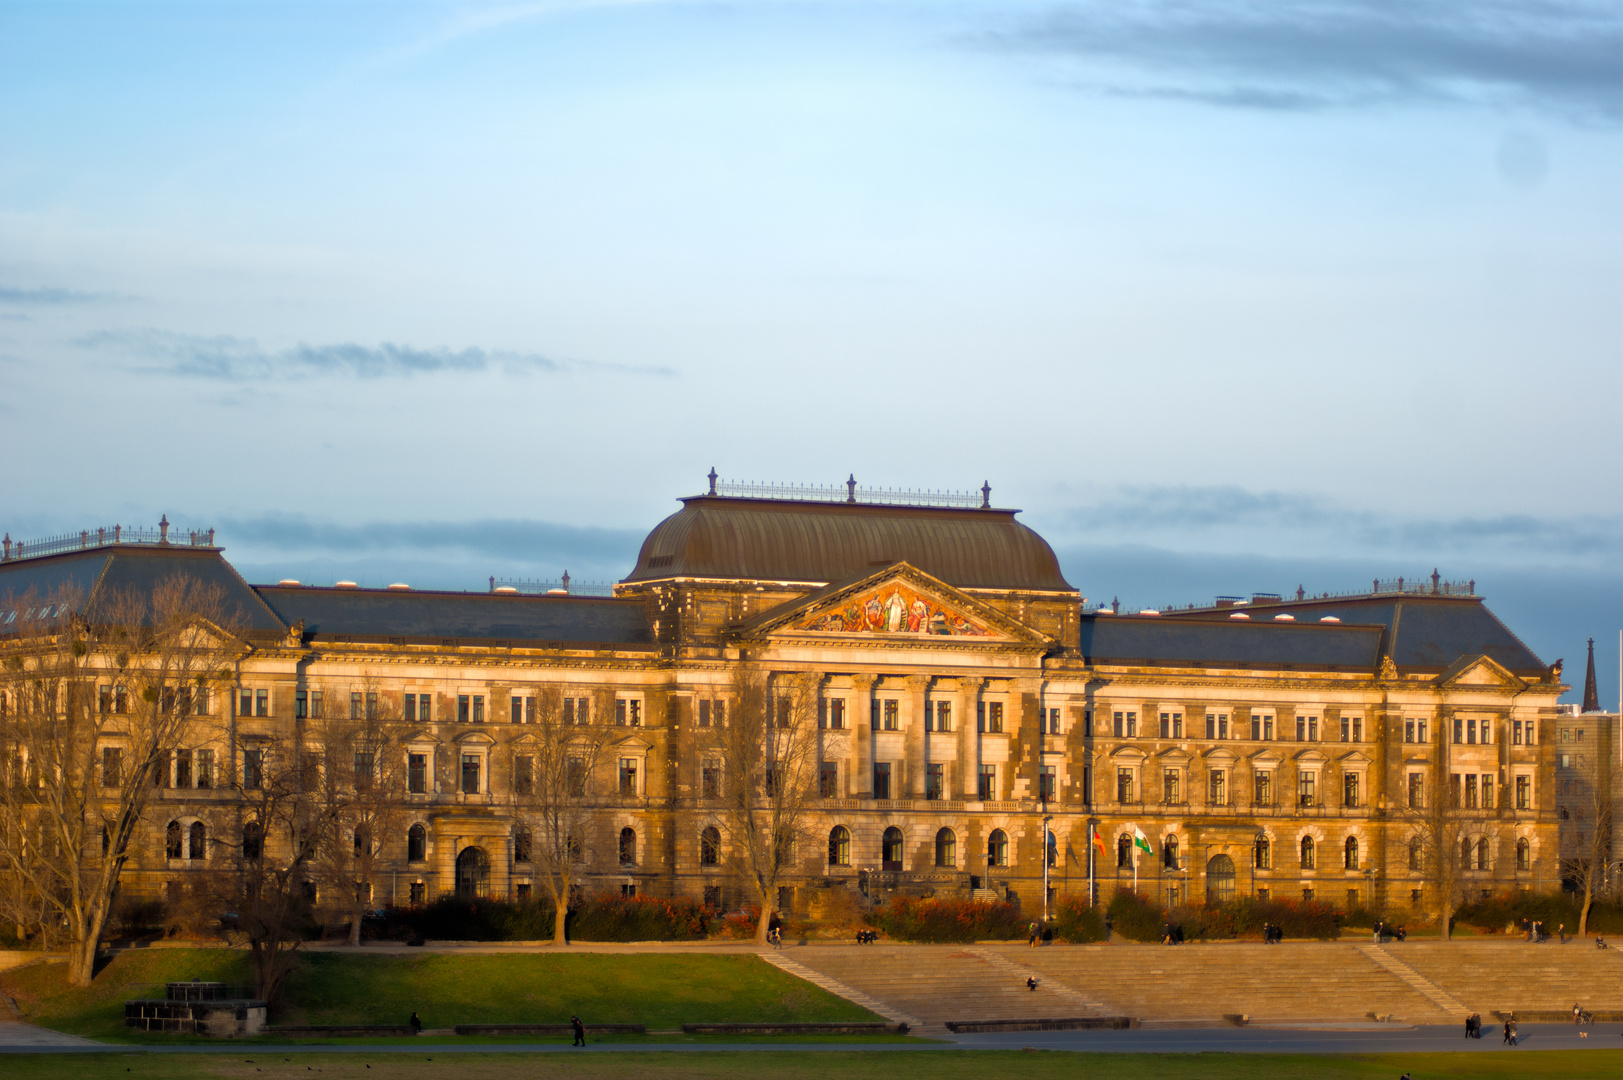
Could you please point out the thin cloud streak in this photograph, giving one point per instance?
(54, 295)
(1562, 56)
(228, 358)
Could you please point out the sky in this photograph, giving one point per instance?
(1226, 296)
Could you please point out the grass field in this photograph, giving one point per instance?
(661, 991)
(841, 1065)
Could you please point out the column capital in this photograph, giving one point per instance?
(863, 682)
(915, 683)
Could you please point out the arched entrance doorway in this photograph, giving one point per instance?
(1219, 879)
(472, 873)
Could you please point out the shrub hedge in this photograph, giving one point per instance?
(1139, 918)
(938, 921)
(1076, 922)
(1552, 909)
(601, 917)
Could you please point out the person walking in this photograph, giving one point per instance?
(416, 1024)
(1031, 934)
(1561, 928)
(580, 1031)
(1577, 1014)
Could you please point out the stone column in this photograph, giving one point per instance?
(969, 744)
(913, 734)
(862, 744)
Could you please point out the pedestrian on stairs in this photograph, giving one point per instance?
(580, 1031)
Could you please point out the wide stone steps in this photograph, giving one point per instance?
(1502, 976)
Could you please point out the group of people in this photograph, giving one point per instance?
(867, 937)
(1171, 934)
(1473, 1028)
(1383, 931)
(1533, 930)
(1271, 934)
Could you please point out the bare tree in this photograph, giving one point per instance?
(268, 878)
(554, 763)
(1436, 835)
(1588, 868)
(96, 704)
(358, 798)
(770, 753)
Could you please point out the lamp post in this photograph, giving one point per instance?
(1046, 819)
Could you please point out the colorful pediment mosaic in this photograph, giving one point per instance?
(893, 609)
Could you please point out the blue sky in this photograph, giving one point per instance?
(1228, 296)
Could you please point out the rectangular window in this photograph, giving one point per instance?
(1470, 792)
(1524, 792)
(836, 714)
(1346, 729)
(1120, 728)
(1171, 787)
(245, 703)
(1420, 731)
(994, 717)
(1417, 791)
(1263, 788)
(417, 774)
(371, 706)
(104, 699)
(261, 702)
(704, 713)
(365, 768)
(112, 767)
(464, 708)
(1267, 729)
(986, 783)
(1124, 785)
(892, 714)
(1256, 728)
(517, 709)
(1218, 790)
(1053, 722)
(1305, 788)
(943, 715)
(1132, 724)
(1487, 731)
(1217, 725)
(935, 780)
(628, 776)
(470, 774)
(355, 705)
(881, 780)
(253, 769)
(1047, 783)
(301, 704)
(183, 768)
(628, 712)
(1487, 791)
(1408, 731)
(1470, 730)
(1459, 730)
(828, 779)
(1349, 790)
(478, 708)
(419, 893)
(710, 780)
(408, 707)
(1515, 733)
(205, 768)
(1166, 725)
(1087, 785)
(121, 706)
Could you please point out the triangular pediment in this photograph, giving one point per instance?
(1479, 672)
(900, 602)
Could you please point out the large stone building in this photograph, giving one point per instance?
(968, 693)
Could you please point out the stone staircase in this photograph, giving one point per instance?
(936, 984)
(1514, 975)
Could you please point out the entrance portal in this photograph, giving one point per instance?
(472, 873)
(1219, 879)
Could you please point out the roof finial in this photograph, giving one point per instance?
(1300, 592)
(851, 488)
(1115, 605)
(163, 530)
(1591, 694)
(986, 495)
(1435, 579)
(566, 581)
(492, 582)
(712, 479)
(8, 545)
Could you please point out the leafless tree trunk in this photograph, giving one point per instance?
(554, 765)
(359, 803)
(1588, 869)
(96, 703)
(1435, 834)
(770, 753)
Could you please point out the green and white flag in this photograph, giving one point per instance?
(1141, 841)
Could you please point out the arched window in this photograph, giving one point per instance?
(1465, 852)
(172, 841)
(472, 873)
(197, 848)
(1169, 852)
(997, 848)
(1262, 855)
(521, 843)
(1524, 854)
(1482, 860)
(839, 846)
(710, 847)
(1350, 853)
(628, 847)
(363, 841)
(946, 848)
(1307, 853)
(416, 844)
(1220, 879)
(1124, 851)
(1417, 854)
(890, 854)
(253, 840)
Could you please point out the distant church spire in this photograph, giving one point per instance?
(1591, 697)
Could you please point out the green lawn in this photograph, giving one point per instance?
(840, 1065)
(661, 991)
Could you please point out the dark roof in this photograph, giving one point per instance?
(1427, 633)
(96, 576)
(386, 613)
(1222, 642)
(783, 540)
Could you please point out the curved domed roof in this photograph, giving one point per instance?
(781, 540)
